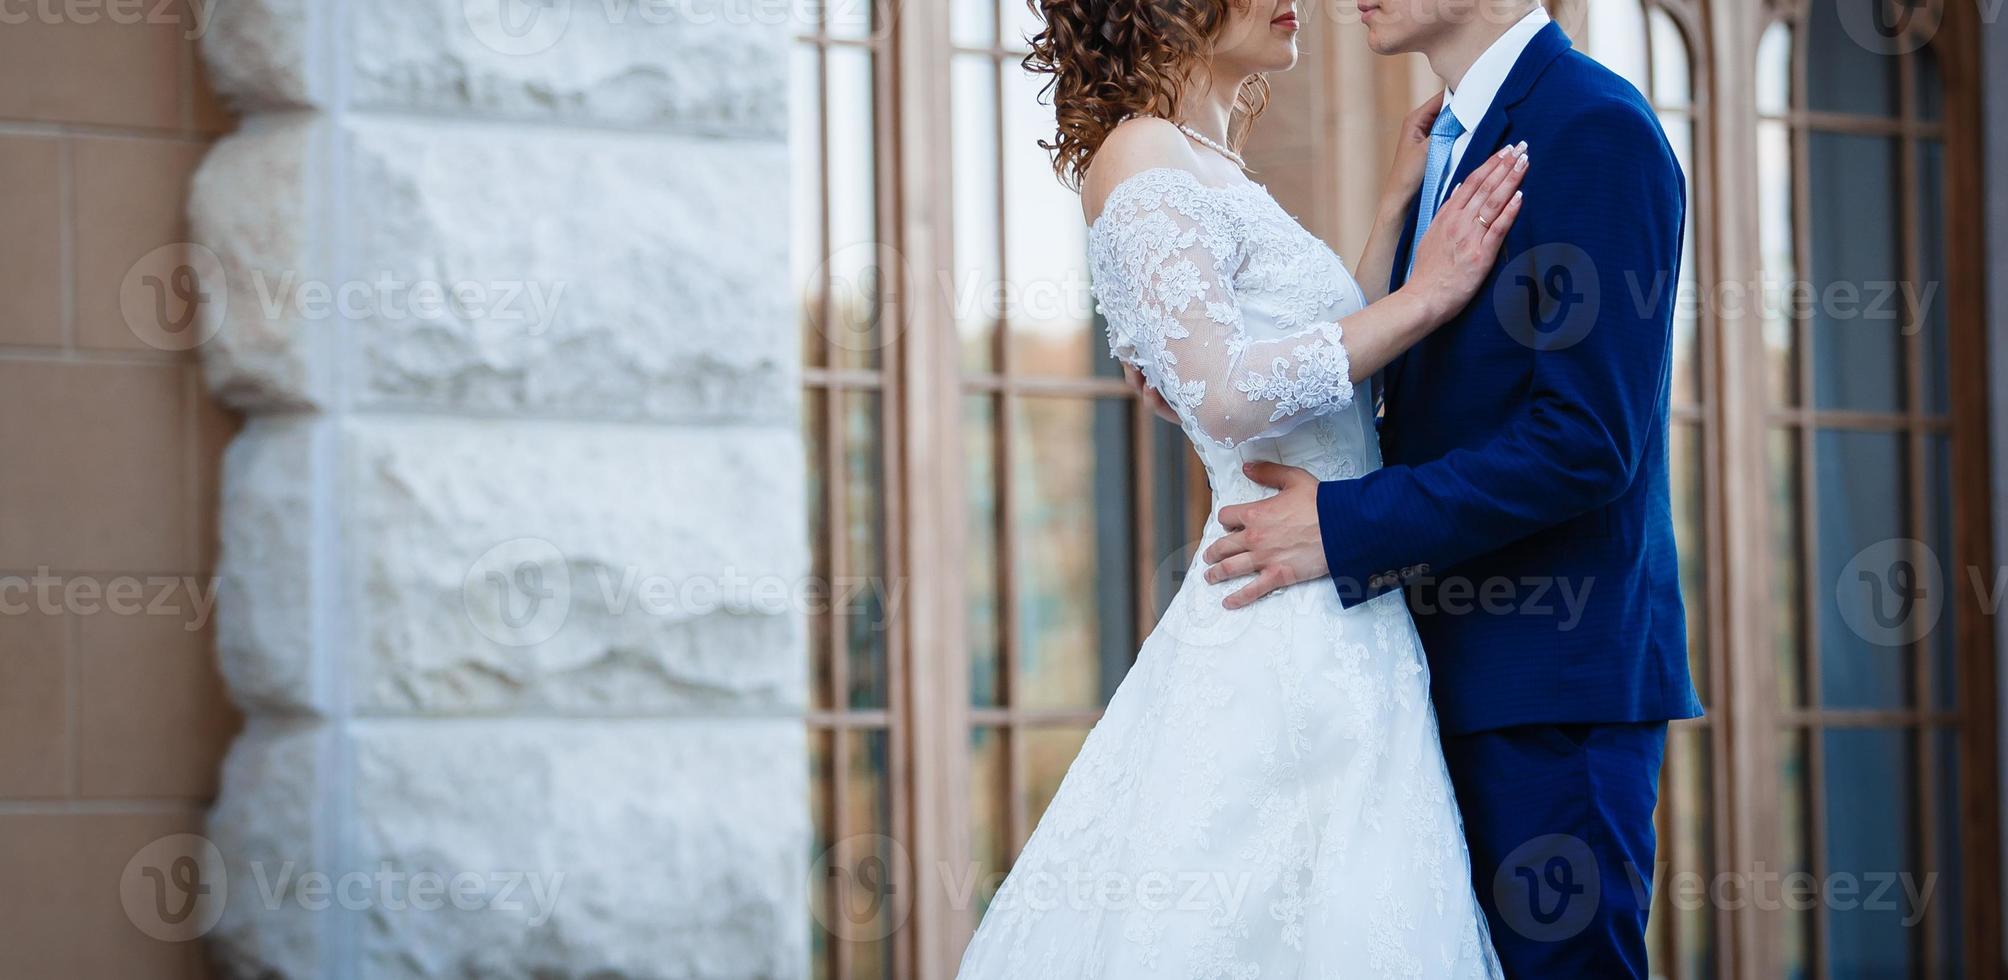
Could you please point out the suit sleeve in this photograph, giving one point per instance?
(1607, 186)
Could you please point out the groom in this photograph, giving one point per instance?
(1524, 502)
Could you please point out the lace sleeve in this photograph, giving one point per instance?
(1164, 251)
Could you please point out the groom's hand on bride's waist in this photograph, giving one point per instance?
(1276, 540)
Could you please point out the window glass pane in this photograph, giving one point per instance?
(805, 137)
(815, 440)
(974, 22)
(1774, 70)
(1691, 542)
(1176, 544)
(1930, 85)
(1948, 899)
(1687, 309)
(1048, 753)
(1795, 837)
(1788, 568)
(989, 798)
(1045, 245)
(1617, 38)
(1842, 74)
(1927, 296)
(978, 278)
(1868, 845)
(1690, 769)
(1856, 269)
(1943, 642)
(863, 585)
(982, 610)
(1781, 309)
(1672, 86)
(1020, 23)
(864, 892)
(1074, 550)
(823, 823)
(855, 254)
(850, 18)
(1860, 479)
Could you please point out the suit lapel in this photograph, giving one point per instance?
(1539, 54)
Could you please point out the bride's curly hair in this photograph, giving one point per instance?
(1113, 59)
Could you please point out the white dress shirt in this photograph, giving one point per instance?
(1472, 98)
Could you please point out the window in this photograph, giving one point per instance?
(1849, 745)
(1862, 435)
(1651, 45)
(841, 82)
(1071, 506)
(1001, 520)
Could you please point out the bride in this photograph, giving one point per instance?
(1266, 795)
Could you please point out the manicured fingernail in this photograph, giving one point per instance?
(1522, 165)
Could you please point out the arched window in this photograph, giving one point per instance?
(1874, 734)
(1652, 45)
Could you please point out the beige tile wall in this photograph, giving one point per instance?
(112, 719)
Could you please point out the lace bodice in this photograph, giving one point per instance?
(1227, 305)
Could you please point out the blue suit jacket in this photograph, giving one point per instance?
(1524, 503)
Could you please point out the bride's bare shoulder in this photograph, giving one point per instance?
(1134, 146)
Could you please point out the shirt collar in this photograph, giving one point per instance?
(1473, 96)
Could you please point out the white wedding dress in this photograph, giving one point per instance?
(1265, 796)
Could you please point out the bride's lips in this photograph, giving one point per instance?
(1287, 21)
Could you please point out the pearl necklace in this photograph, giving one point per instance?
(1203, 140)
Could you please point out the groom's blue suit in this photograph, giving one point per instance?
(1524, 507)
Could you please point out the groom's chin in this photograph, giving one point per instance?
(1381, 44)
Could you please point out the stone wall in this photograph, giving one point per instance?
(507, 539)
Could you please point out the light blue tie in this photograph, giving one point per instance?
(1442, 137)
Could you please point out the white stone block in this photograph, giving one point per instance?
(517, 848)
(664, 850)
(591, 274)
(259, 52)
(265, 613)
(270, 827)
(252, 214)
(699, 65)
(589, 568)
